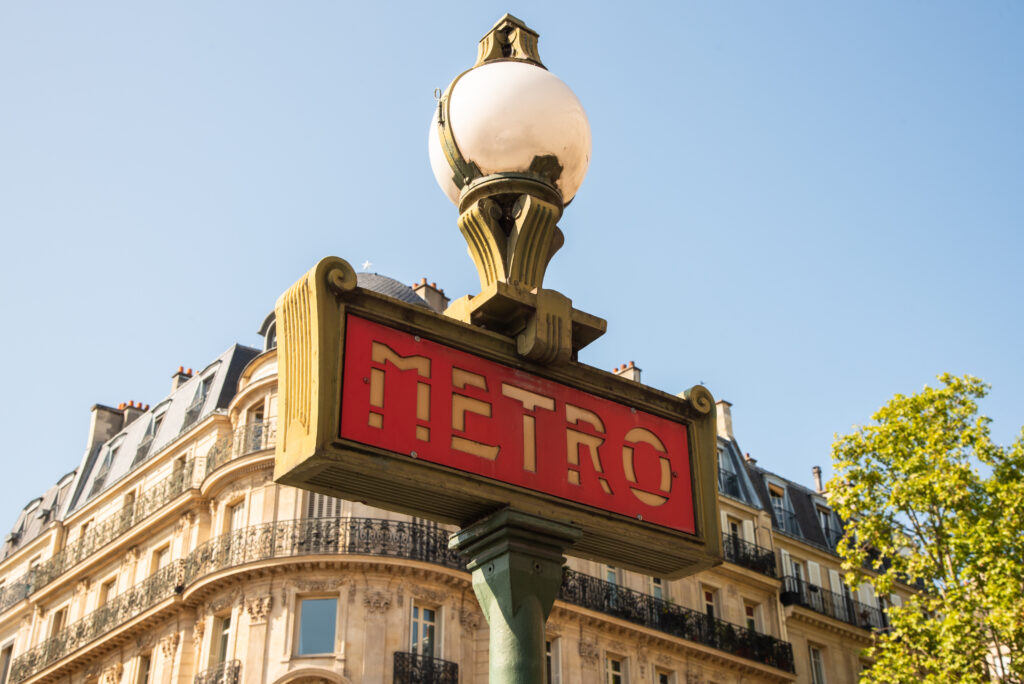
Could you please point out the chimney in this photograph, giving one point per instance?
(725, 419)
(630, 371)
(132, 411)
(179, 378)
(431, 294)
(105, 422)
(749, 459)
(816, 474)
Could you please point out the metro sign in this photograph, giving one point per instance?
(408, 410)
(425, 400)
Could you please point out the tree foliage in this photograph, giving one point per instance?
(929, 500)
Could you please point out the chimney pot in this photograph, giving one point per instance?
(181, 369)
(816, 474)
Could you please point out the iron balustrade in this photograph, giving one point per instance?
(101, 534)
(228, 672)
(411, 668)
(787, 522)
(747, 554)
(323, 536)
(643, 609)
(837, 606)
(16, 590)
(157, 587)
(242, 441)
(396, 539)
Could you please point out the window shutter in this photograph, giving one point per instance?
(836, 581)
(748, 531)
(787, 562)
(895, 600)
(725, 522)
(865, 595)
(814, 573)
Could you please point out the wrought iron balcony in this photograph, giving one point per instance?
(244, 440)
(643, 609)
(143, 596)
(750, 556)
(228, 672)
(411, 668)
(101, 534)
(17, 589)
(316, 536)
(843, 608)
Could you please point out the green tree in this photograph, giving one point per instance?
(930, 500)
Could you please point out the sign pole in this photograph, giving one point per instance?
(516, 562)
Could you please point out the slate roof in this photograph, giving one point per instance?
(110, 461)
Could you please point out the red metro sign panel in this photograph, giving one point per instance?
(429, 401)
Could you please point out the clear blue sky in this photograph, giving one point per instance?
(807, 206)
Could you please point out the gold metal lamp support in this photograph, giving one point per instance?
(509, 221)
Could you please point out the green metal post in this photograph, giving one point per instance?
(516, 560)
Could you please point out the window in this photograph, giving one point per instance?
(161, 558)
(321, 506)
(108, 590)
(817, 665)
(425, 637)
(663, 677)
(611, 574)
(236, 517)
(553, 660)
(57, 621)
(318, 618)
(221, 640)
(657, 588)
(254, 429)
(750, 615)
(145, 662)
(5, 662)
(709, 602)
(615, 670)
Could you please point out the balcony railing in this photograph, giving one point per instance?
(244, 440)
(390, 538)
(750, 556)
(157, 587)
(643, 609)
(832, 535)
(101, 534)
(17, 589)
(228, 672)
(315, 536)
(411, 668)
(843, 608)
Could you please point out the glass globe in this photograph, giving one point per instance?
(503, 114)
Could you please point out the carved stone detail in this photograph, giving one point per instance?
(82, 586)
(112, 674)
(470, 619)
(131, 556)
(186, 520)
(317, 585)
(197, 633)
(169, 644)
(428, 594)
(590, 653)
(258, 608)
(376, 602)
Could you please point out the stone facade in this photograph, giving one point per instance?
(187, 563)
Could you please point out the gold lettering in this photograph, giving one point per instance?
(575, 439)
(461, 405)
(382, 354)
(531, 401)
(639, 435)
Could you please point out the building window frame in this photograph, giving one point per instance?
(816, 656)
(553, 660)
(616, 669)
(323, 605)
(6, 656)
(424, 617)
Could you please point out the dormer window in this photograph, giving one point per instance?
(146, 443)
(783, 510)
(101, 474)
(195, 409)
